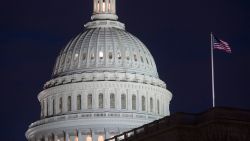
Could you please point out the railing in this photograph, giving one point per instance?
(71, 116)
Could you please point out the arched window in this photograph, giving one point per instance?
(79, 102)
(133, 102)
(89, 101)
(69, 103)
(54, 106)
(112, 100)
(60, 104)
(158, 106)
(123, 101)
(151, 104)
(143, 103)
(100, 138)
(100, 100)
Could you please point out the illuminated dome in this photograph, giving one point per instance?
(104, 82)
(105, 47)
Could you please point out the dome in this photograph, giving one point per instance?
(104, 82)
(105, 46)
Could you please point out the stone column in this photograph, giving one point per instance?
(74, 102)
(107, 5)
(101, 7)
(66, 136)
(46, 138)
(79, 134)
(94, 5)
(45, 108)
(94, 136)
(55, 137)
(64, 103)
(107, 135)
(114, 6)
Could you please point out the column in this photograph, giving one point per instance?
(64, 103)
(94, 136)
(55, 137)
(73, 102)
(46, 138)
(94, 5)
(79, 135)
(107, 5)
(101, 6)
(107, 135)
(66, 136)
(45, 113)
(114, 6)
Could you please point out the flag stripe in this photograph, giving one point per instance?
(221, 45)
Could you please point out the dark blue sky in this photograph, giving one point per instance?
(32, 32)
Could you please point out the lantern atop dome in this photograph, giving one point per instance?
(104, 10)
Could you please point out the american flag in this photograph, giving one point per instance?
(221, 45)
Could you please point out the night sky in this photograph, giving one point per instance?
(32, 32)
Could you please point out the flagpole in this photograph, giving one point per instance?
(212, 67)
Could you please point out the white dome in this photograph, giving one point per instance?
(105, 47)
(104, 82)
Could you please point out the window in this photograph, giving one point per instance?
(60, 104)
(119, 56)
(143, 103)
(76, 56)
(141, 59)
(110, 55)
(84, 56)
(89, 101)
(69, 103)
(135, 57)
(127, 55)
(133, 102)
(92, 56)
(101, 55)
(112, 100)
(79, 102)
(147, 60)
(151, 104)
(101, 100)
(123, 101)
(54, 107)
(158, 107)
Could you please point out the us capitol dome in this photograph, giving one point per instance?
(104, 82)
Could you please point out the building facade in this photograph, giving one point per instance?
(104, 82)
